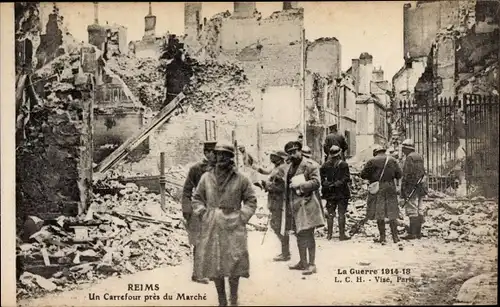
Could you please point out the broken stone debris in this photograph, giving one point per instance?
(219, 88)
(124, 233)
(452, 220)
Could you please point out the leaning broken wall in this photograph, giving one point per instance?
(53, 132)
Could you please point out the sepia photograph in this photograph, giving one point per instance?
(250, 153)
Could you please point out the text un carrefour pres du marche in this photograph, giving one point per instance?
(151, 292)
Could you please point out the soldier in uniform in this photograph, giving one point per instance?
(192, 180)
(386, 171)
(225, 201)
(413, 172)
(335, 138)
(275, 188)
(335, 178)
(303, 207)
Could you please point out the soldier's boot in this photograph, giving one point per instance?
(394, 231)
(233, 286)
(311, 247)
(221, 291)
(329, 225)
(285, 249)
(302, 246)
(418, 227)
(381, 230)
(342, 235)
(412, 233)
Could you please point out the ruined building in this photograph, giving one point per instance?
(450, 48)
(276, 57)
(372, 102)
(53, 111)
(118, 114)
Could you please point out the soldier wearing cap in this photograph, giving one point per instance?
(303, 208)
(192, 180)
(225, 201)
(385, 170)
(335, 178)
(413, 172)
(335, 138)
(275, 187)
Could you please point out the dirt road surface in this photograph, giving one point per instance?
(433, 272)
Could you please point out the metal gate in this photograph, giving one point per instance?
(458, 140)
(481, 118)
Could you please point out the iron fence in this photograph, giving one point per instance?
(458, 139)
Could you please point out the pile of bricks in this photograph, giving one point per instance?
(124, 232)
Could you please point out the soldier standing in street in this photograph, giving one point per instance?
(303, 207)
(337, 139)
(275, 187)
(335, 180)
(413, 188)
(192, 180)
(385, 170)
(222, 249)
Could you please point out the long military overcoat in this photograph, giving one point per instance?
(385, 202)
(305, 209)
(275, 186)
(222, 248)
(192, 180)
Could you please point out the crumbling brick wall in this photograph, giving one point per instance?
(53, 131)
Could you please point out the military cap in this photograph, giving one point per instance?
(224, 146)
(334, 151)
(377, 149)
(408, 143)
(293, 145)
(279, 153)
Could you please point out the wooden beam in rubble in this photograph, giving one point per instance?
(121, 152)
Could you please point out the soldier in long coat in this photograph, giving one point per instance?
(303, 208)
(413, 172)
(192, 180)
(275, 187)
(335, 179)
(386, 199)
(225, 201)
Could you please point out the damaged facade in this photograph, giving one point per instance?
(372, 102)
(289, 85)
(53, 129)
(450, 48)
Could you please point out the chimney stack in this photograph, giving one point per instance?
(287, 5)
(149, 23)
(244, 9)
(96, 13)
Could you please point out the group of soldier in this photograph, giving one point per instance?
(224, 201)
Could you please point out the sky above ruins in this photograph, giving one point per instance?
(374, 27)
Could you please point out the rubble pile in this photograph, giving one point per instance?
(53, 137)
(122, 233)
(219, 88)
(473, 220)
(143, 76)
